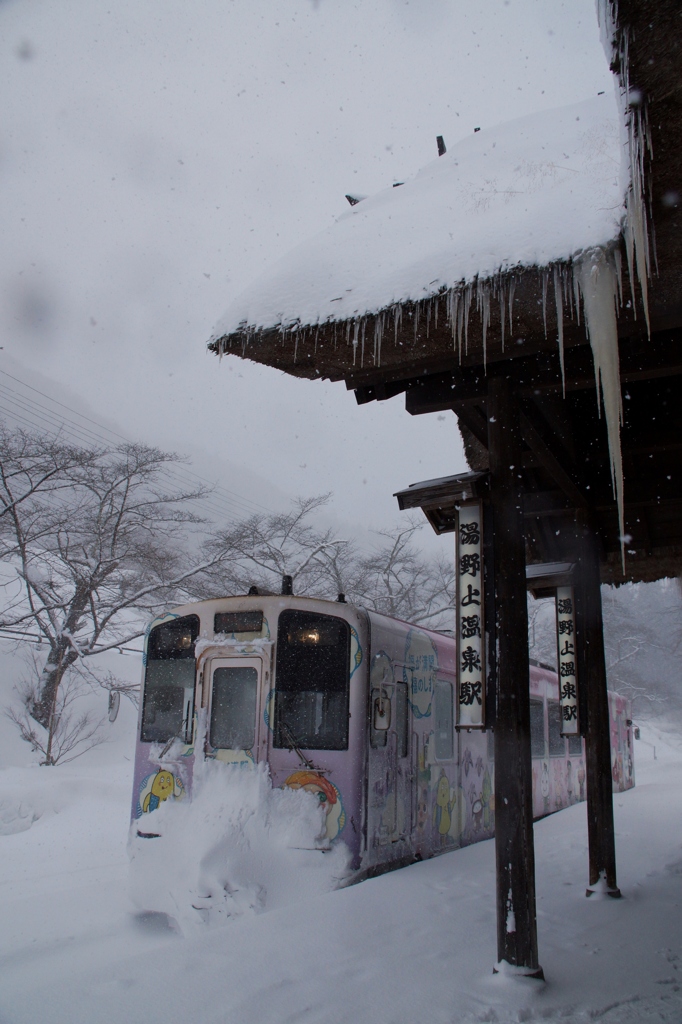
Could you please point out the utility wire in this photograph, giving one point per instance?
(28, 408)
(35, 638)
(31, 413)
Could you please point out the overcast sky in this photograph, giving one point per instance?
(156, 155)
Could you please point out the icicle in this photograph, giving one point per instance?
(435, 312)
(416, 319)
(635, 227)
(428, 316)
(363, 324)
(468, 295)
(619, 274)
(597, 279)
(356, 332)
(453, 313)
(460, 325)
(568, 290)
(615, 40)
(378, 337)
(503, 305)
(576, 293)
(558, 299)
(512, 289)
(545, 282)
(397, 320)
(483, 306)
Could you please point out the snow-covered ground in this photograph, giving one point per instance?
(414, 945)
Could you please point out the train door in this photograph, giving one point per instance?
(403, 765)
(236, 688)
(391, 774)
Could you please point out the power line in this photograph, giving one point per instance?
(30, 412)
(38, 640)
(30, 408)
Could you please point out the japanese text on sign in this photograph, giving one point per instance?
(470, 626)
(568, 684)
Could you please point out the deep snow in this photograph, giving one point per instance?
(526, 193)
(413, 945)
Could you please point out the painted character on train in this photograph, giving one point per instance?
(445, 802)
(488, 801)
(163, 785)
(328, 796)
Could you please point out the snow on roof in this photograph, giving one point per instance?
(526, 193)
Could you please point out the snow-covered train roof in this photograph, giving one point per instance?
(530, 192)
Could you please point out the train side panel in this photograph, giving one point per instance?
(413, 785)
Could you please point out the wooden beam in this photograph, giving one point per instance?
(514, 851)
(550, 463)
(592, 676)
(434, 388)
(472, 417)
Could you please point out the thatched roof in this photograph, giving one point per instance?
(530, 193)
(427, 289)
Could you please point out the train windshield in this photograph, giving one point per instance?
(311, 694)
(169, 681)
(233, 706)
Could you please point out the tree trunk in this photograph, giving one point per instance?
(44, 710)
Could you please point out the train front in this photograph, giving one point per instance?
(245, 698)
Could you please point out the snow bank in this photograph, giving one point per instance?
(238, 846)
(526, 193)
(411, 945)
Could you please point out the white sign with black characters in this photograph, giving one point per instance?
(566, 646)
(470, 625)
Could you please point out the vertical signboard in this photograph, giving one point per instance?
(470, 624)
(568, 679)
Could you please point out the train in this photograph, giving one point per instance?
(350, 705)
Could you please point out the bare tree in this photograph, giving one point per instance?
(542, 630)
(260, 550)
(73, 732)
(396, 580)
(94, 542)
(641, 640)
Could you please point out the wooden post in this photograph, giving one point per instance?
(515, 856)
(590, 637)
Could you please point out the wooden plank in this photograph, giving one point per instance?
(550, 463)
(514, 850)
(592, 675)
(472, 417)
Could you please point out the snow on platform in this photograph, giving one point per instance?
(526, 193)
(413, 945)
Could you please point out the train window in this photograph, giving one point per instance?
(238, 622)
(379, 737)
(233, 707)
(537, 728)
(401, 721)
(442, 700)
(168, 707)
(575, 746)
(311, 684)
(557, 744)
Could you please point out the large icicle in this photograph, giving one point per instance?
(597, 277)
(558, 299)
(636, 142)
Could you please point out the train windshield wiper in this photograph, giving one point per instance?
(294, 744)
